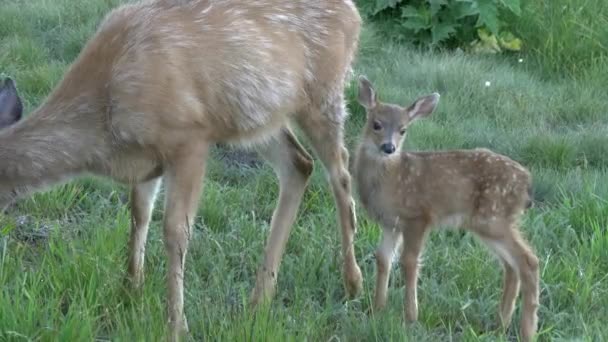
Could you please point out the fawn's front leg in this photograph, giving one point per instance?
(384, 254)
(414, 234)
(183, 179)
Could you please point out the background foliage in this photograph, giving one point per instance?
(447, 22)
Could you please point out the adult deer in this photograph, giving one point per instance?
(161, 81)
(409, 193)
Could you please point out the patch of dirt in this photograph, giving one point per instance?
(29, 232)
(237, 157)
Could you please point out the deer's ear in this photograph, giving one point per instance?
(367, 94)
(422, 107)
(11, 108)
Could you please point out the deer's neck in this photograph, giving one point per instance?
(54, 143)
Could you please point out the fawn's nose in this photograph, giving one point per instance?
(387, 148)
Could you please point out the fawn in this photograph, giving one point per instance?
(409, 193)
(161, 81)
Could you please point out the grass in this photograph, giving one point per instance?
(565, 38)
(63, 252)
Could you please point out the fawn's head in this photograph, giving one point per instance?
(11, 108)
(387, 123)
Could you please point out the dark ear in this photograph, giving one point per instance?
(422, 107)
(11, 108)
(367, 95)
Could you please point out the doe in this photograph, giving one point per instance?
(160, 82)
(409, 193)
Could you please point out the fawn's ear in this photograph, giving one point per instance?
(422, 107)
(11, 108)
(367, 94)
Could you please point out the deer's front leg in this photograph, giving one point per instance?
(183, 180)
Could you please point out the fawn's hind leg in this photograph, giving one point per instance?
(508, 243)
(293, 166)
(143, 196)
(325, 129)
(509, 294)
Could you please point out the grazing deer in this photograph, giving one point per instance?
(409, 193)
(163, 80)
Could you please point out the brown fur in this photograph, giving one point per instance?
(163, 80)
(409, 193)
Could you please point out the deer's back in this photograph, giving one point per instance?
(219, 70)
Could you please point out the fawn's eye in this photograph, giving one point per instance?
(377, 126)
(402, 131)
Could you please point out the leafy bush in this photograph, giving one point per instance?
(472, 24)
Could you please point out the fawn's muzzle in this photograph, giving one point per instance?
(387, 148)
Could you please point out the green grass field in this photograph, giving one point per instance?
(63, 252)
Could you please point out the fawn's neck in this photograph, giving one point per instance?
(370, 169)
(371, 164)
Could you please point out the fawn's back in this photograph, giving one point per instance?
(447, 186)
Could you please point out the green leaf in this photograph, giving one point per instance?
(436, 5)
(463, 9)
(513, 5)
(441, 32)
(410, 12)
(508, 41)
(487, 43)
(488, 15)
(381, 5)
(416, 24)
(416, 18)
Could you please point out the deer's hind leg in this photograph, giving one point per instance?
(293, 166)
(324, 127)
(143, 196)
